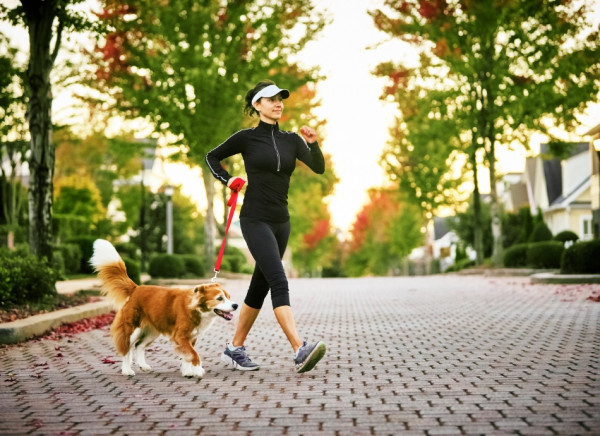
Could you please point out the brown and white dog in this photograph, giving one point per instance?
(146, 312)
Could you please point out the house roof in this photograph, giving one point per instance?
(553, 171)
(440, 227)
(593, 131)
(569, 199)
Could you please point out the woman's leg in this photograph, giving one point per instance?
(285, 318)
(267, 243)
(246, 320)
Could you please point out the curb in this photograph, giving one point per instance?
(565, 278)
(23, 329)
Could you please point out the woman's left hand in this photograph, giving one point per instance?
(308, 134)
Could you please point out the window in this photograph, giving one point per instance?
(586, 228)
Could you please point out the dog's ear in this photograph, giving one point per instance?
(199, 289)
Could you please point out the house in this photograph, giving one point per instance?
(594, 135)
(561, 189)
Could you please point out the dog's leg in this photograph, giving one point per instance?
(123, 330)
(191, 365)
(146, 337)
(126, 365)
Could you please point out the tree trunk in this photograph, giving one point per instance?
(495, 209)
(40, 16)
(477, 227)
(210, 225)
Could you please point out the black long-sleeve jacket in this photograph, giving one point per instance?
(270, 159)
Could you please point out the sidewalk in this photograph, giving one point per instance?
(421, 355)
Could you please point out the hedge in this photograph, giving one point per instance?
(582, 258)
(193, 265)
(540, 233)
(166, 265)
(565, 236)
(25, 278)
(133, 269)
(545, 254)
(86, 245)
(515, 256)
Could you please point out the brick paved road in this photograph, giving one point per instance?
(432, 355)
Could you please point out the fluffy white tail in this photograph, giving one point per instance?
(116, 285)
(104, 254)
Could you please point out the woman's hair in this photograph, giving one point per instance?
(249, 108)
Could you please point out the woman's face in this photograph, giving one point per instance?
(270, 108)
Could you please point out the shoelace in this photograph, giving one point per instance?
(240, 354)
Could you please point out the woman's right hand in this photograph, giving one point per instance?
(236, 183)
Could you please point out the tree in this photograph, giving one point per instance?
(519, 66)
(186, 68)
(46, 21)
(13, 144)
(312, 241)
(385, 231)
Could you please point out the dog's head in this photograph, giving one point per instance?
(213, 298)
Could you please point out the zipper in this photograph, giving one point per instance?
(276, 149)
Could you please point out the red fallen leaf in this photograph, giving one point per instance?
(107, 359)
(57, 348)
(37, 423)
(60, 355)
(594, 298)
(81, 326)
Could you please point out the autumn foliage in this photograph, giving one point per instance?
(385, 231)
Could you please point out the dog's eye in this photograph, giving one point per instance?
(220, 299)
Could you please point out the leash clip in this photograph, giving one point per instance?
(214, 279)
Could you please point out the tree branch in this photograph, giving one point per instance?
(59, 30)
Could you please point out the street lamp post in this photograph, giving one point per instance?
(169, 194)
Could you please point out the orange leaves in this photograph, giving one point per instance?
(319, 232)
(431, 9)
(374, 218)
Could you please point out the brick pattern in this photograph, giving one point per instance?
(439, 355)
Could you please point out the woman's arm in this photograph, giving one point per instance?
(231, 146)
(309, 151)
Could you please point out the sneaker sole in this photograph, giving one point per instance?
(229, 361)
(313, 358)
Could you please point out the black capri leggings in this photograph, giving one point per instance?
(267, 243)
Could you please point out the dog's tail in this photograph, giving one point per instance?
(116, 284)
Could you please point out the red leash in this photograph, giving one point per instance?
(236, 186)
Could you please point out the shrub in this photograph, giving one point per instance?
(582, 258)
(460, 264)
(545, 254)
(194, 265)
(25, 278)
(133, 269)
(166, 265)
(540, 233)
(565, 236)
(86, 245)
(515, 256)
(233, 259)
(71, 254)
(58, 264)
(128, 249)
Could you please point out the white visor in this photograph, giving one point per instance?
(270, 91)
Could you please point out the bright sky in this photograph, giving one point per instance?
(357, 121)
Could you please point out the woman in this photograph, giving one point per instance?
(269, 158)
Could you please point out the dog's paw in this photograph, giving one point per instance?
(144, 366)
(127, 371)
(189, 370)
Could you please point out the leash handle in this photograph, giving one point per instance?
(236, 186)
